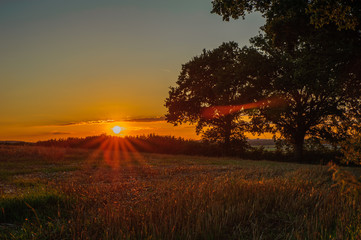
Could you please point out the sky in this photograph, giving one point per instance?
(75, 68)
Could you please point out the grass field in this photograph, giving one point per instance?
(54, 193)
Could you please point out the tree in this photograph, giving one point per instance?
(290, 22)
(315, 69)
(345, 14)
(214, 78)
(351, 149)
(312, 95)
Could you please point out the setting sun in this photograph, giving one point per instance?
(117, 129)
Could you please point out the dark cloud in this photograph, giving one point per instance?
(60, 133)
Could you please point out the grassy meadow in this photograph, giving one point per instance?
(59, 193)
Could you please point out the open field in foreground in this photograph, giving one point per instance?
(52, 193)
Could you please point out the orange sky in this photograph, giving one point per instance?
(33, 133)
(67, 66)
(91, 128)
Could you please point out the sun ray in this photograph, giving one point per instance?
(97, 151)
(138, 158)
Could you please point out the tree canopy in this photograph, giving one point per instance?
(304, 71)
(218, 77)
(314, 97)
(345, 14)
(314, 54)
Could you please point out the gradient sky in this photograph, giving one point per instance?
(67, 67)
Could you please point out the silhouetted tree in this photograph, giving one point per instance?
(315, 65)
(345, 14)
(215, 78)
(314, 99)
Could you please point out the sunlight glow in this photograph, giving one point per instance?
(117, 129)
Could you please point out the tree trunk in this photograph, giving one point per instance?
(227, 141)
(298, 147)
(227, 137)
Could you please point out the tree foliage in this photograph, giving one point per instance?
(315, 98)
(315, 65)
(345, 14)
(351, 149)
(217, 77)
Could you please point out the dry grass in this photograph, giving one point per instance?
(147, 196)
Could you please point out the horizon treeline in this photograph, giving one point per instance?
(153, 143)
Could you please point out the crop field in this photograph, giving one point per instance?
(58, 193)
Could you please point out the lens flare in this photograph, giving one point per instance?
(218, 111)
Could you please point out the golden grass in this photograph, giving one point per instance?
(149, 196)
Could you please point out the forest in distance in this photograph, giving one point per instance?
(257, 149)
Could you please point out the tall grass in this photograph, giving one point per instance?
(208, 206)
(178, 197)
(35, 215)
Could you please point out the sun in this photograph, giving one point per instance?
(117, 129)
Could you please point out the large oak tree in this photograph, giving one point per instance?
(218, 77)
(315, 60)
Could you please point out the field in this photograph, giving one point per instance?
(58, 193)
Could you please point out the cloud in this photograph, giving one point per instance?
(86, 122)
(60, 133)
(139, 128)
(151, 119)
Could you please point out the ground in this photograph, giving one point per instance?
(56, 193)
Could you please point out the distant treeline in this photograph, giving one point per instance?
(153, 143)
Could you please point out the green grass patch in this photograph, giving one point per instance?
(37, 214)
(29, 206)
